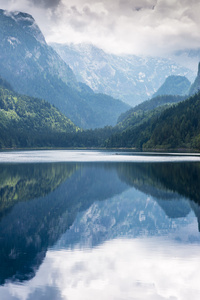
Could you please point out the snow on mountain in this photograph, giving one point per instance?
(188, 58)
(130, 78)
(33, 68)
(28, 23)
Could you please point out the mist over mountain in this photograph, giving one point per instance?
(130, 78)
(188, 58)
(35, 69)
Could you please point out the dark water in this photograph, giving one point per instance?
(100, 231)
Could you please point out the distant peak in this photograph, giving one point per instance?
(174, 85)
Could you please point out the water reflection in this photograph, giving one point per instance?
(31, 223)
(167, 181)
(118, 269)
(25, 182)
(96, 207)
(182, 178)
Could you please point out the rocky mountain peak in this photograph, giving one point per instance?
(35, 69)
(130, 78)
(195, 87)
(22, 21)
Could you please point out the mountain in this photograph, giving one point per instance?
(35, 69)
(145, 111)
(174, 85)
(25, 54)
(195, 87)
(176, 127)
(188, 58)
(26, 121)
(130, 78)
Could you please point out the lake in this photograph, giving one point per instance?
(97, 225)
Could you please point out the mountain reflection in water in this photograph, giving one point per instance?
(64, 205)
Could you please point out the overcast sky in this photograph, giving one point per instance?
(128, 26)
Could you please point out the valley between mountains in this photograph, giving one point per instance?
(79, 96)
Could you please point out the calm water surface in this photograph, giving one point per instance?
(99, 225)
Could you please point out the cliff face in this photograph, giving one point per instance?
(33, 68)
(196, 85)
(25, 54)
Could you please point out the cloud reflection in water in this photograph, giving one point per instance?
(147, 269)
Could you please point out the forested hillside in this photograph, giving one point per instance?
(159, 123)
(176, 127)
(25, 121)
(33, 68)
(146, 110)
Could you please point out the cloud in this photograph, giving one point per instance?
(129, 26)
(150, 269)
(45, 3)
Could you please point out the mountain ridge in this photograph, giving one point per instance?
(176, 127)
(174, 85)
(26, 120)
(35, 69)
(130, 78)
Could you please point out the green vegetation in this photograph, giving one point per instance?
(176, 127)
(159, 123)
(33, 68)
(45, 208)
(146, 110)
(24, 121)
